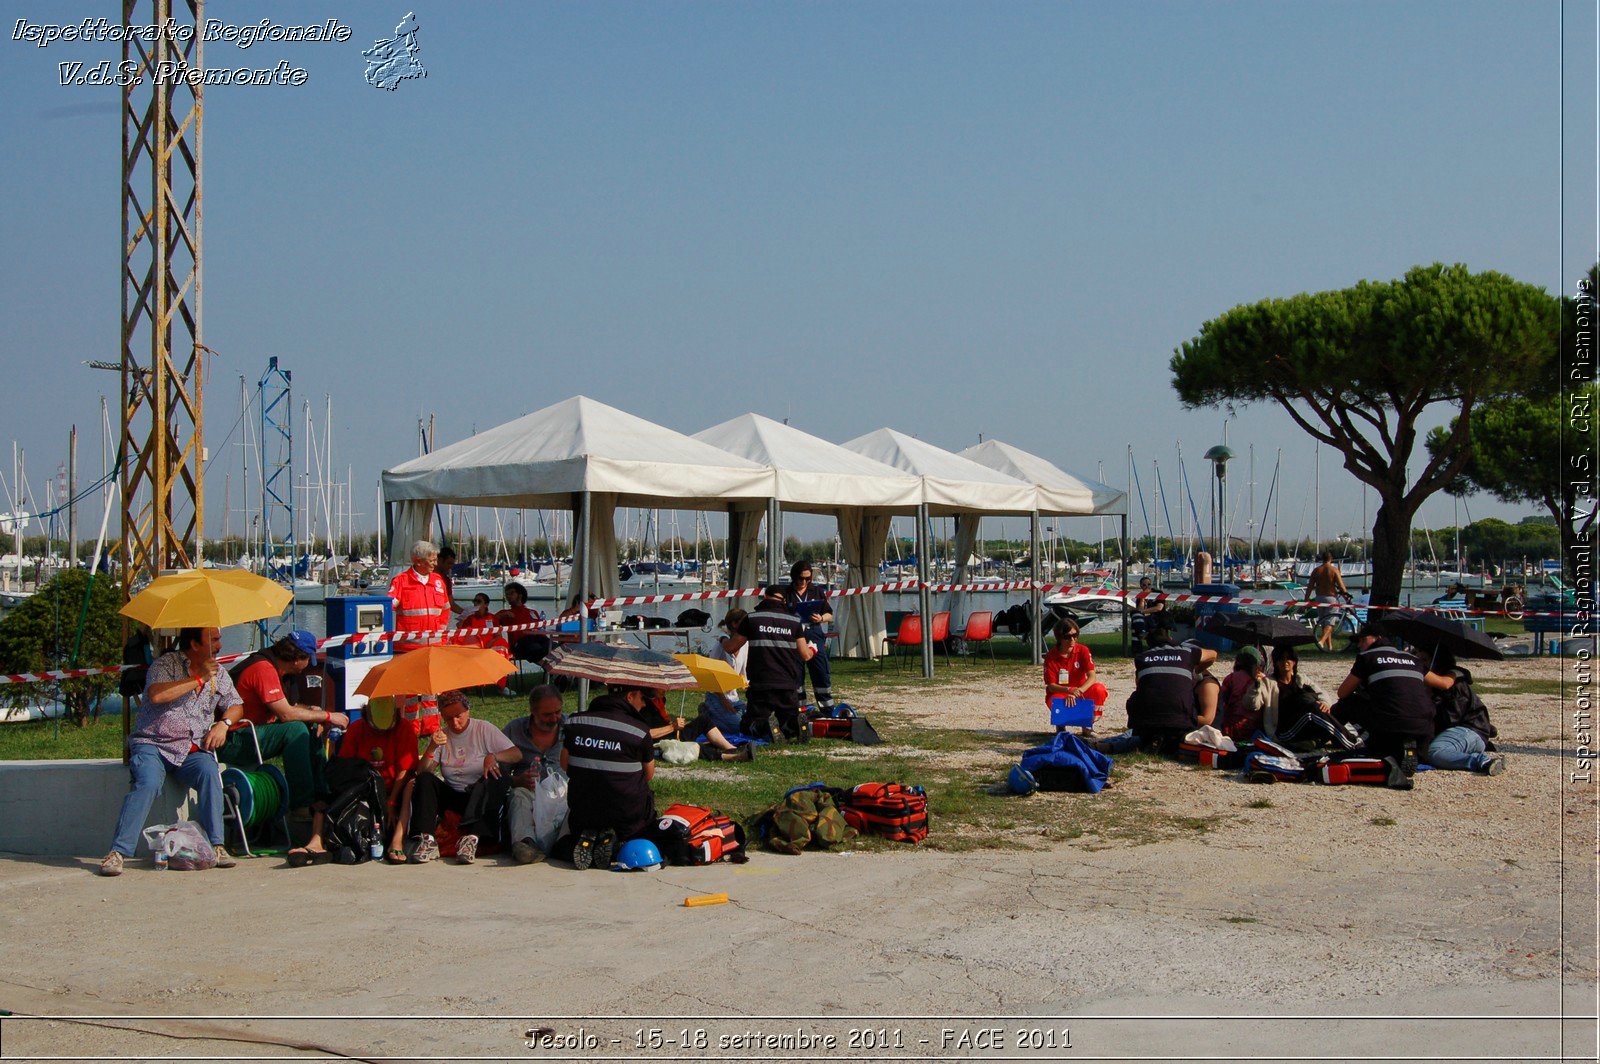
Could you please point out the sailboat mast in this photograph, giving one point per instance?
(1277, 505)
(1316, 480)
(1254, 575)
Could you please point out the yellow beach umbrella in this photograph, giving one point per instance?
(712, 674)
(207, 598)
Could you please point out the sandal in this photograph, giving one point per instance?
(301, 856)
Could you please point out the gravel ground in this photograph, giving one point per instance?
(1478, 900)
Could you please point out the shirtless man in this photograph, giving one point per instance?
(1325, 590)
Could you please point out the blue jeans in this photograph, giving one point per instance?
(147, 772)
(723, 718)
(1458, 748)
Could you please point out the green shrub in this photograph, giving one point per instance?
(43, 634)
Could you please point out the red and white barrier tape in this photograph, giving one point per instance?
(470, 635)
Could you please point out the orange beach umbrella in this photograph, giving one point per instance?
(433, 669)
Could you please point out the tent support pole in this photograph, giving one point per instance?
(1122, 549)
(924, 596)
(1035, 596)
(585, 565)
(774, 540)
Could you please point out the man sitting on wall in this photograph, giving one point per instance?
(188, 705)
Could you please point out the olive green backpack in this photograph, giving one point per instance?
(806, 816)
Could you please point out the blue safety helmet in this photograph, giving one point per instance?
(638, 855)
(1021, 781)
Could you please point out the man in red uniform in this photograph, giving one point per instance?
(525, 645)
(421, 604)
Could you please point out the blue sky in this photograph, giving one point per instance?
(951, 218)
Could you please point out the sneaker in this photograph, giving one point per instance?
(605, 848)
(112, 864)
(467, 849)
(583, 852)
(427, 850)
(224, 858)
(525, 852)
(1494, 766)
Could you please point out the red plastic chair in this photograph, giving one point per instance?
(941, 634)
(979, 629)
(910, 634)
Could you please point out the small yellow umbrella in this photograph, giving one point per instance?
(435, 669)
(207, 598)
(712, 674)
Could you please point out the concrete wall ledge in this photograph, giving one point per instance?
(69, 808)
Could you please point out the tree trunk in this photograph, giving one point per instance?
(1391, 547)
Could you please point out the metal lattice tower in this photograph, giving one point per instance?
(274, 398)
(161, 442)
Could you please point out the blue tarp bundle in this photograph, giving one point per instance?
(1067, 764)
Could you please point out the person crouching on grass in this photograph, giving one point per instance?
(1069, 673)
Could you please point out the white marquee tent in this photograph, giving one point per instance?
(583, 455)
(815, 476)
(578, 454)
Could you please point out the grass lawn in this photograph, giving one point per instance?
(963, 769)
(1518, 687)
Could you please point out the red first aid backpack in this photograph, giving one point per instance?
(695, 835)
(889, 809)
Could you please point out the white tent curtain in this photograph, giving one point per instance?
(412, 521)
(600, 552)
(967, 527)
(744, 552)
(860, 617)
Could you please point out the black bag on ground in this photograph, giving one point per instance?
(532, 647)
(355, 816)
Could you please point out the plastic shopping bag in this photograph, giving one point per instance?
(184, 846)
(550, 809)
(677, 752)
